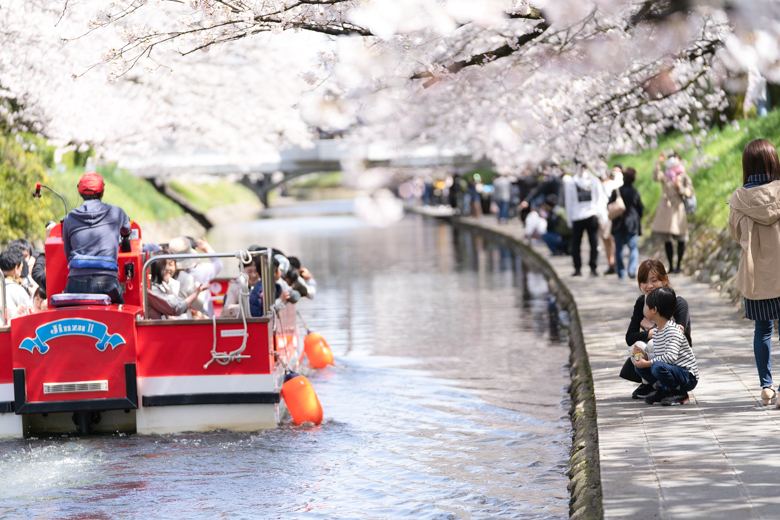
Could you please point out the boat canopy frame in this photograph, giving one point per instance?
(266, 276)
(266, 272)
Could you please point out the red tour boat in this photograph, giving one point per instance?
(87, 365)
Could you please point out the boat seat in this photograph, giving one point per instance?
(74, 299)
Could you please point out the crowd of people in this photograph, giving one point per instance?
(179, 288)
(604, 205)
(560, 206)
(661, 357)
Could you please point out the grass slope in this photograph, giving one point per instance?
(140, 200)
(204, 196)
(713, 185)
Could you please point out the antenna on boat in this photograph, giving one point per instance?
(37, 195)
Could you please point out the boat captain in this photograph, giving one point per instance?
(91, 238)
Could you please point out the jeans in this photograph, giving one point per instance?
(621, 239)
(503, 209)
(96, 284)
(670, 376)
(591, 225)
(762, 349)
(557, 244)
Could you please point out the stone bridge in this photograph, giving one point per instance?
(263, 172)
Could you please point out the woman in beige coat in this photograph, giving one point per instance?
(671, 223)
(754, 222)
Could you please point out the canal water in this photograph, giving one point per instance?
(448, 399)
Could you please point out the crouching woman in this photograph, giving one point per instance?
(672, 367)
(753, 222)
(163, 294)
(651, 275)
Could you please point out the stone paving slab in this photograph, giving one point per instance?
(717, 457)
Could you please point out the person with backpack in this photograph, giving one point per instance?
(91, 237)
(584, 207)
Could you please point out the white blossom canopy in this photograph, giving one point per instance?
(513, 80)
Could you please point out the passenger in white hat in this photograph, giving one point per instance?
(200, 273)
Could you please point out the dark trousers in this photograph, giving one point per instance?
(96, 284)
(591, 225)
(670, 376)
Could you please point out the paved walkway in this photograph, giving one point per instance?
(716, 457)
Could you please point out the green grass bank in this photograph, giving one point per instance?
(713, 184)
(212, 193)
(140, 200)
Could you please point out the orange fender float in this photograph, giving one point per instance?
(301, 400)
(317, 350)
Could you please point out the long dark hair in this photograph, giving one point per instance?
(157, 268)
(760, 157)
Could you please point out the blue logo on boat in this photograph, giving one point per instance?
(72, 327)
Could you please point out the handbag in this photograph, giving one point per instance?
(616, 208)
(690, 202)
(690, 205)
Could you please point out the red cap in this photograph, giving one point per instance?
(91, 183)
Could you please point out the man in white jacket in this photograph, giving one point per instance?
(584, 207)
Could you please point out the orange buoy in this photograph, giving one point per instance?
(319, 356)
(301, 400)
(317, 350)
(312, 338)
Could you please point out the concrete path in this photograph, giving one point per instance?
(715, 457)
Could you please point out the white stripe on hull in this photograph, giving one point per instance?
(10, 423)
(6, 392)
(207, 417)
(172, 385)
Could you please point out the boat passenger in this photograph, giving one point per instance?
(200, 273)
(287, 279)
(231, 301)
(28, 253)
(90, 237)
(305, 284)
(164, 300)
(40, 303)
(17, 299)
(256, 296)
(38, 272)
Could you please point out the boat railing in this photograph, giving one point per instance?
(266, 271)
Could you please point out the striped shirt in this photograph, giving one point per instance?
(671, 347)
(761, 310)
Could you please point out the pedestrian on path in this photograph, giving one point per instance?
(671, 222)
(610, 181)
(584, 208)
(754, 222)
(650, 276)
(627, 227)
(502, 194)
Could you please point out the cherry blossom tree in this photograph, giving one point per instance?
(54, 81)
(513, 80)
